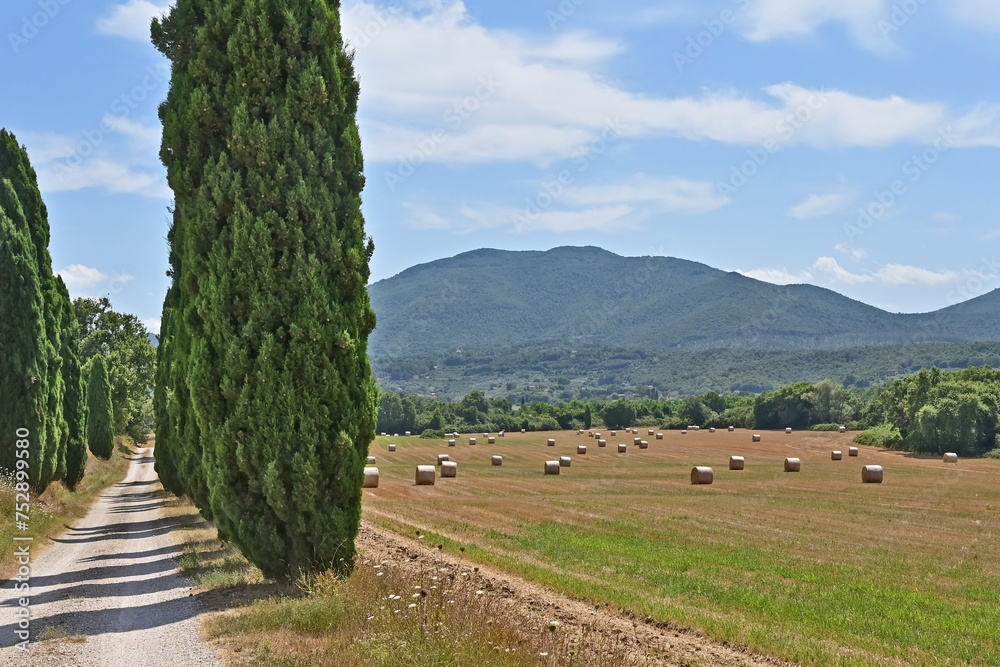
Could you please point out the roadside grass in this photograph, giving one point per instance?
(813, 567)
(386, 617)
(58, 508)
(52, 632)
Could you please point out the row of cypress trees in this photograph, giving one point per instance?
(264, 397)
(42, 388)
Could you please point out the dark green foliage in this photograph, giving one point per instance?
(35, 387)
(123, 341)
(267, 389)
(883, 435)
(588, 296)
(509, 371)
(74, 401)
(23, 359)
(100, 414)
(942, 412)
(790, 405)
(619, 414)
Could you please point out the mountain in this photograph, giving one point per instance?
(588, 296)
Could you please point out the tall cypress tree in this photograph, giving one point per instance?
(22, 202)
(270, 378)
(74, 402)
(100, 413)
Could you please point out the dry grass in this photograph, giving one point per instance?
(58, 508)
(813, 566)
(386, 615)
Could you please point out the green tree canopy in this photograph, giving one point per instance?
(100, 414)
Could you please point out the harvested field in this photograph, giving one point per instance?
(814, 567)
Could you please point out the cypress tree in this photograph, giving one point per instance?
(100, 414)
(272, 391)
(22, 202)
(74, 403)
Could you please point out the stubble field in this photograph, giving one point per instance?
(811, 566)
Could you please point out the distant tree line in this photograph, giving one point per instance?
(929, 411)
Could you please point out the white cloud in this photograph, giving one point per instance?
(816, 206)
(79, 277)
(663, 194)
(855, 252)
(131, 20)
(979, 14)
(780, 276)
(439, 87)
(144, 137)
(779, 18)
(114, 177)
(152, 325)
(897, 274)
(830, 267)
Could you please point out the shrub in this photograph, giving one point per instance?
(883, 435)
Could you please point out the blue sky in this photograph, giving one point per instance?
(851, 144)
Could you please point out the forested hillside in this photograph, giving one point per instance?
(591, 297)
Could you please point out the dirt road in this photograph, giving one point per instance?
(110, 586)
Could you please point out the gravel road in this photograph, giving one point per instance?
(111, 579)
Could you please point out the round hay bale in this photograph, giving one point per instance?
(442, 458)
(643, 444)
(732, 428)
(486, 435)
(702, 475)
(756, 437)
(622, 448)
(407, 434)
(852, 451)
(502, 433)
(523, 431)
(597, 436)
(684, 431)
(711, 430)
(836, 456)
(449, 469)
(843, 429)
(871, 474)
(590, 434)
(472, 441)
(371, 459)
(693, 428)
(635, 431)
(581, 449)
(392, 448)
(580, 432)
(425, 475)
(614, 433)
(650, 432)
(659, 436)
(395, 435)
(736, 463)
(551, 442)
(602, 443)
(371, 478)
(491, 440)
(552, 467)
(636, 441)
(788, 430)
(793, 465)
(565, 461)
(382, 434)
(496, 460)
(451, 443)
(950, 457)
